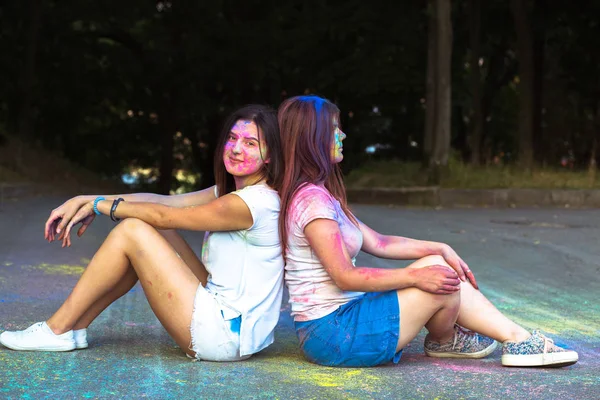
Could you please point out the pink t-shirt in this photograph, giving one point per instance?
(313, 294)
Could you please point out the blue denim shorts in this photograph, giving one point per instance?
(362, 333)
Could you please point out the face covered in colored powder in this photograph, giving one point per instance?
(245, 152)
(337, 146)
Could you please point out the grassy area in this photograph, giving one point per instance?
(22, 162)
(390, 174)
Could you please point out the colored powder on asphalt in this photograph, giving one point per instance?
(60, 269)
(549, 311)
(354, 379)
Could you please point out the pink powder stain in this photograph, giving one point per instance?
(382, 243)
(242, 153)
(368, 273)
(170, 295)
(465, 368)
(301, 299)
(338, 242)
(128, 323)
(149, 283)
(307, 201)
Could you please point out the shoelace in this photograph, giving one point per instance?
(34, 327)
(548, 343)
(467, 336)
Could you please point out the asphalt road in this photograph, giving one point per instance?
(539, 266)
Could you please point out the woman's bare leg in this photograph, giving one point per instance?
(477, 313)
(168, 282)
(437, 312)
(128, 281)
(130, 278)
(186, 253)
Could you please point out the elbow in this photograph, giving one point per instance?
(345, 283)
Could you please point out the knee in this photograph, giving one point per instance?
(434, 259)
(446, 300)
(132, 227)
(429, 260)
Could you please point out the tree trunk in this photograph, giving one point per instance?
(430, 102)
(25, 121)
(593, 166)
(28, 77)
(477, 118)
(441, 139)
(521, 15)
(168, 128)
(207, 170)
(498, 75)
(540, 145)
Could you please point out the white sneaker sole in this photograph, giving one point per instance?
(561, 359)
(56, 347)
(480, 354)
(81, 345)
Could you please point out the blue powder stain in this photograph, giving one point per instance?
(235, 324)
(317, 101)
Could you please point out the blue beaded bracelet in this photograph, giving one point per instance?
(98, 199)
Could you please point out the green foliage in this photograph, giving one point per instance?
(115, 82)
(395, 174)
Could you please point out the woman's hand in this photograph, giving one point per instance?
(60, 216)
(436, 279)
(85, 215)
(457, 264)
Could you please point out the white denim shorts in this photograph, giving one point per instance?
(215, 329)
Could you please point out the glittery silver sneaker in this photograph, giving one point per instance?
(537, 351)
(464, 344)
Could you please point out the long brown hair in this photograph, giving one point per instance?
(265, 119)
(306, 128)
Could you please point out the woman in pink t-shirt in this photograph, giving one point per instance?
(347, 315)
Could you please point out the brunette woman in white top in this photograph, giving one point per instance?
(221, 308)
(337, 323)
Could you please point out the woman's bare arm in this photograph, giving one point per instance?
(402, 248)
(326, 241)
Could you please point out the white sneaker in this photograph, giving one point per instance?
(80, 336)
(38, 337)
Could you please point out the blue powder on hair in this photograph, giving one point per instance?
(319, 104)
(316, 100)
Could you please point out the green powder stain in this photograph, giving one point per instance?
(7, 264)
(85, 261)
(555, 312)
(60, 269)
